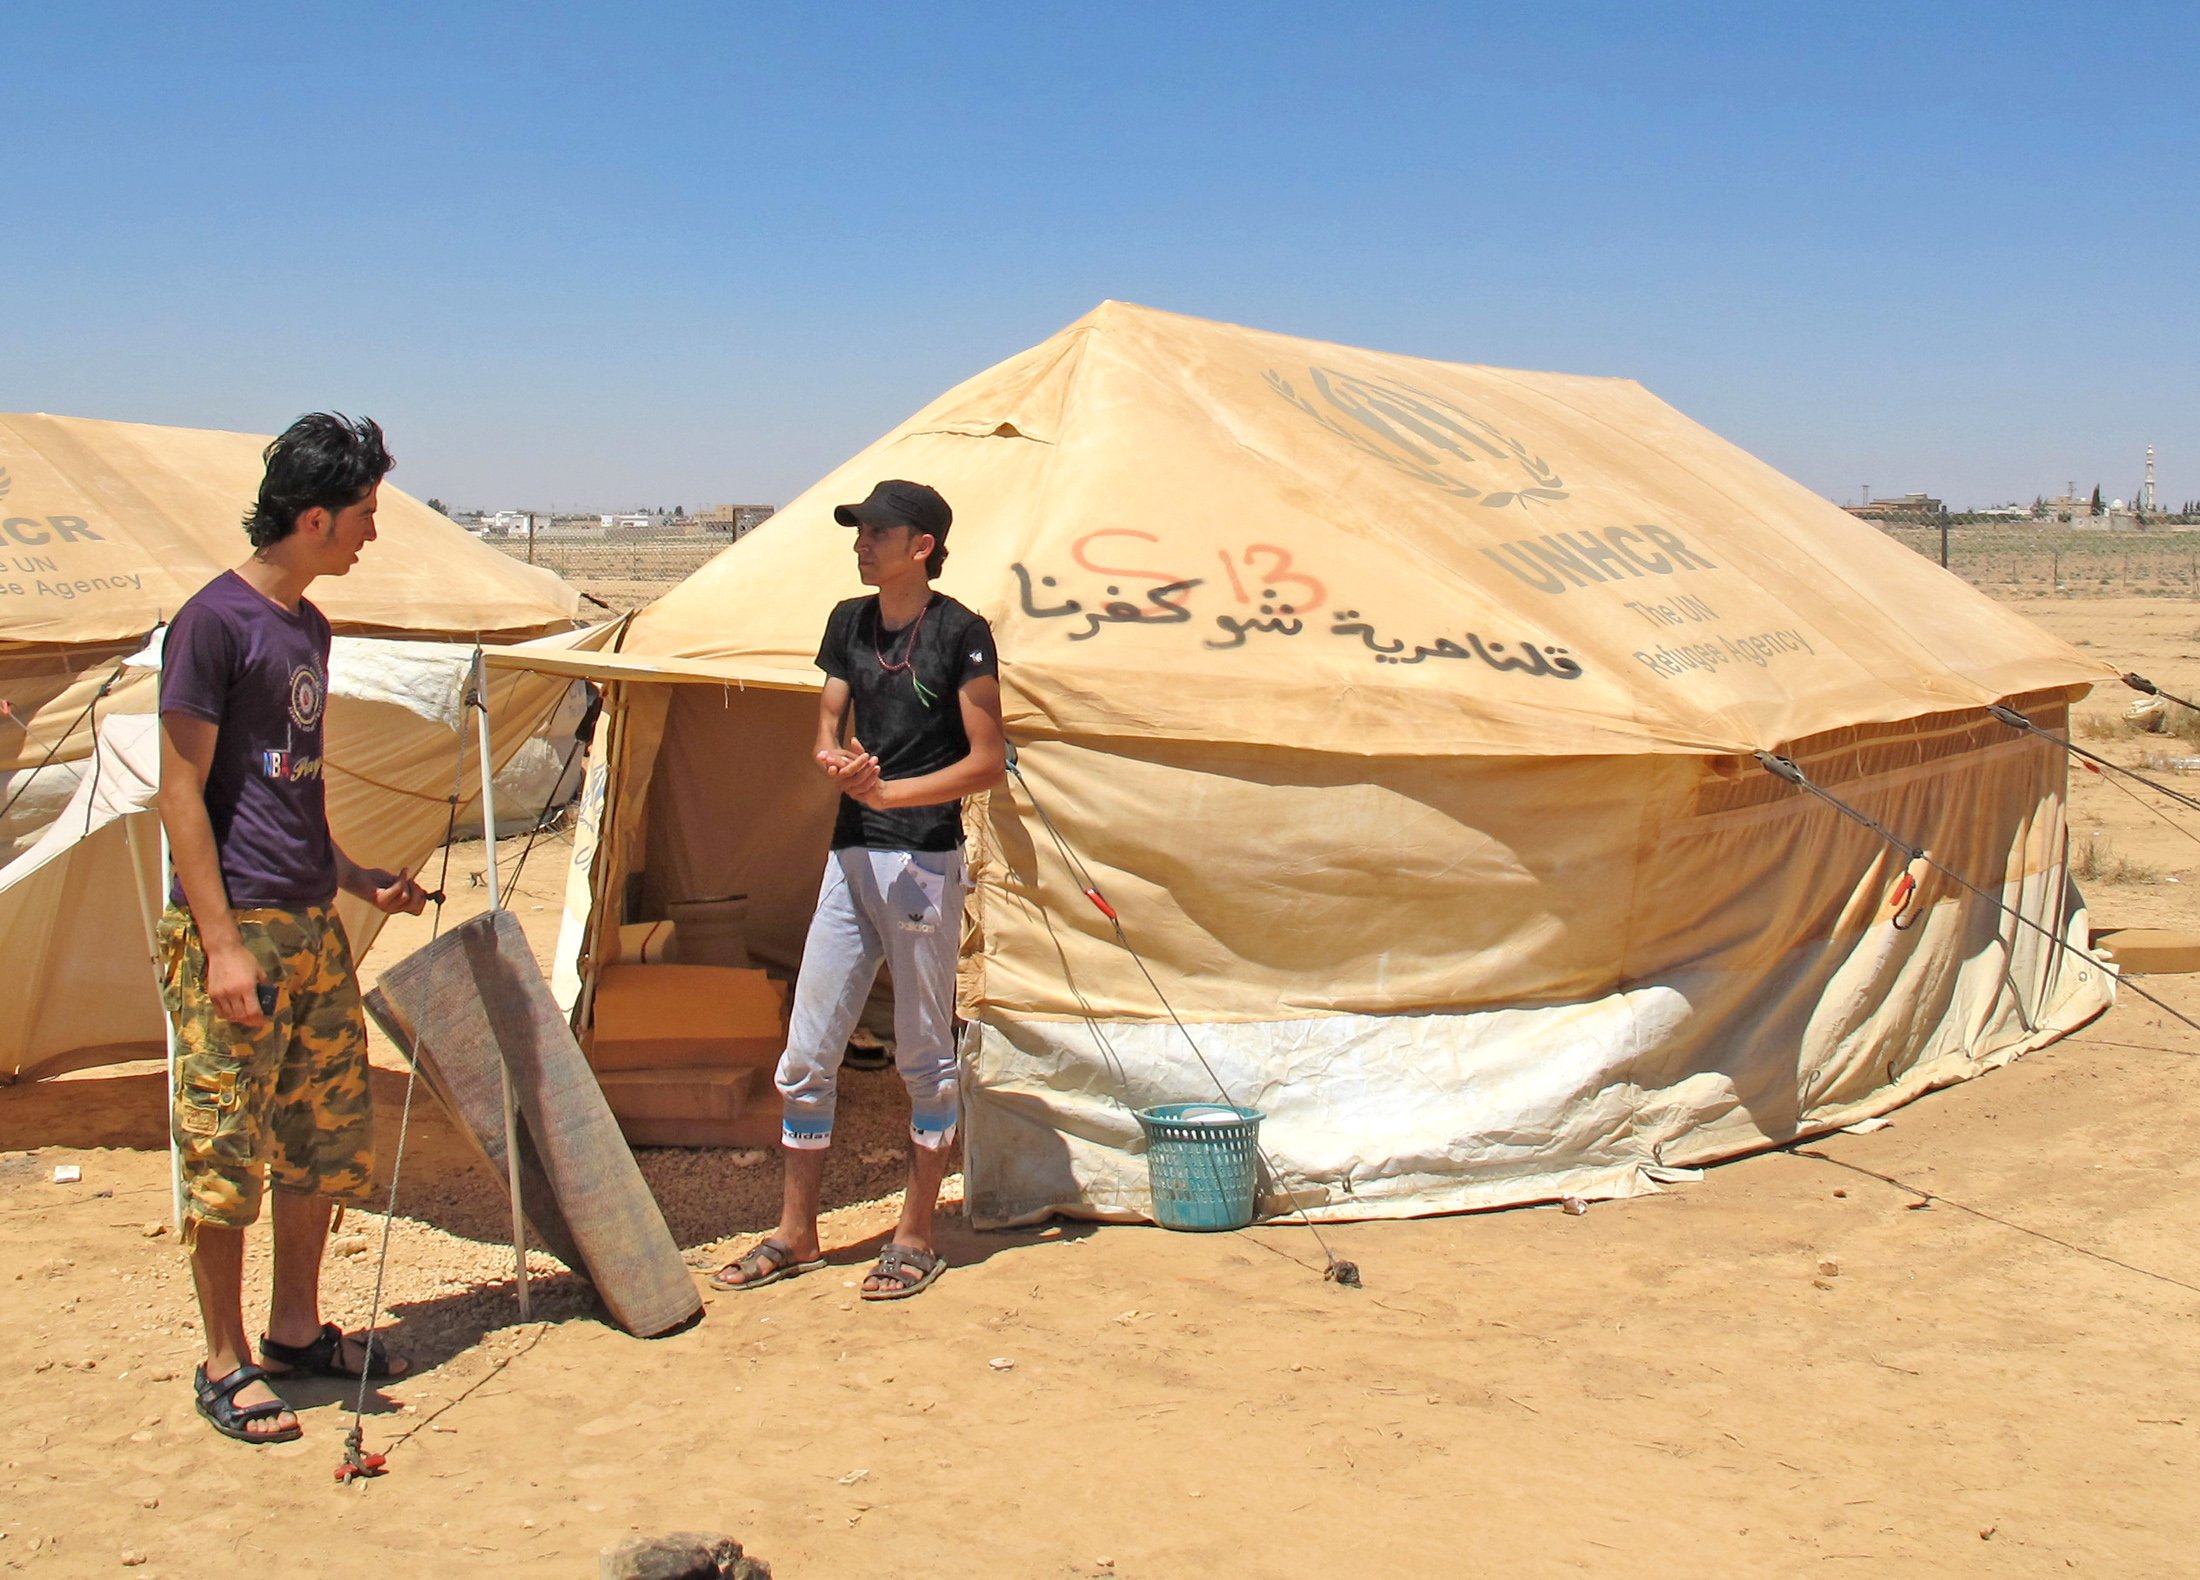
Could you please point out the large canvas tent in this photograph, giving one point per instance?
(105, 529)
(1404, 710)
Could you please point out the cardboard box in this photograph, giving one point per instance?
(693, 1107)
(649, 943)
(689, 1092)
(664, 1017)
(713, 932)
(748, 1130)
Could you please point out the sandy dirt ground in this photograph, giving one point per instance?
(1961, 1345)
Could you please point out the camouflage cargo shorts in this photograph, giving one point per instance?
(288, 1101)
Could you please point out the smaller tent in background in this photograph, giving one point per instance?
(75, 908)
(107, 527)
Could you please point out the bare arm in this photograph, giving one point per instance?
(388, 892)
(981, 768)
(852, 770)
(832, 720)
(186, 757)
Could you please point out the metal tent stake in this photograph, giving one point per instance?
(152, 895)
(478, 699)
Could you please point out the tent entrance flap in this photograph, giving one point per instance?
(706, 793)
(759, 831)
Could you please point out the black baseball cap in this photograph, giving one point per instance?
(895, 503)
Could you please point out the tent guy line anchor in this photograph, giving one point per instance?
(358, 1464)
(1337, 1270)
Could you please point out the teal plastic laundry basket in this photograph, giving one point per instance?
(1204, 1163)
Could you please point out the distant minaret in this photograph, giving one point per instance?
(2146, 493)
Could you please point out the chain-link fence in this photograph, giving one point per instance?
(2110, 555)
(623, 567)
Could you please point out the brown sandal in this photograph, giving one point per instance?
(908, 1268)
(766, 1262)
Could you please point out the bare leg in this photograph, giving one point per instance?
(294, 1313)
(805, 1181)
(217, 1272)
(797, 1229)
(927, 1167)
(301, 1232)
(919, 1203)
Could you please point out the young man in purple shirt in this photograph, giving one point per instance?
(271, 1062)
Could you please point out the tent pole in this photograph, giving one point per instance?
(152, 886)
(480, 700)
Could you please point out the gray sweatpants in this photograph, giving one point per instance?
(903, 907)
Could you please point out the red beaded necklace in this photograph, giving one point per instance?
(908, 658)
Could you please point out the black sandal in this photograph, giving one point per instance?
(324, 1357)
(218, 1403)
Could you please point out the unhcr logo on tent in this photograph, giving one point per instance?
(32, 532)
(1424, 436)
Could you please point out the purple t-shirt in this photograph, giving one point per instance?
(259, 672)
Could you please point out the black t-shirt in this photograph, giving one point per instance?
(906, 689)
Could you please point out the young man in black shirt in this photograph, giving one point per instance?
(918, 672)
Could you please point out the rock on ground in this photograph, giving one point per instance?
(681, 1555)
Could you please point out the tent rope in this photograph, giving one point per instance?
(369, 779)
(1337, 1269)
(2017, 721)
(1785, 768)
(358, 1463)
(2141, 683)
(584, 735)
(91, 791)
(2143, 803)
(62, 739)
(1927, 1198)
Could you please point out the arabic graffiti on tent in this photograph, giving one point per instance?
(1278, 600)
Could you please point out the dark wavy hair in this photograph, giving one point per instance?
(323, 460)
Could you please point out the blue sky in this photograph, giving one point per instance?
(648, 254)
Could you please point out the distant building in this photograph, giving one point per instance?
(2115, 517)
(1899, 505)
(735, 521)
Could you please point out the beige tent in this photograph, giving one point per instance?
(105, 529)
(76, 908)
(1404, 711)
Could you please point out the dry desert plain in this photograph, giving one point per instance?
(1787, 1368)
